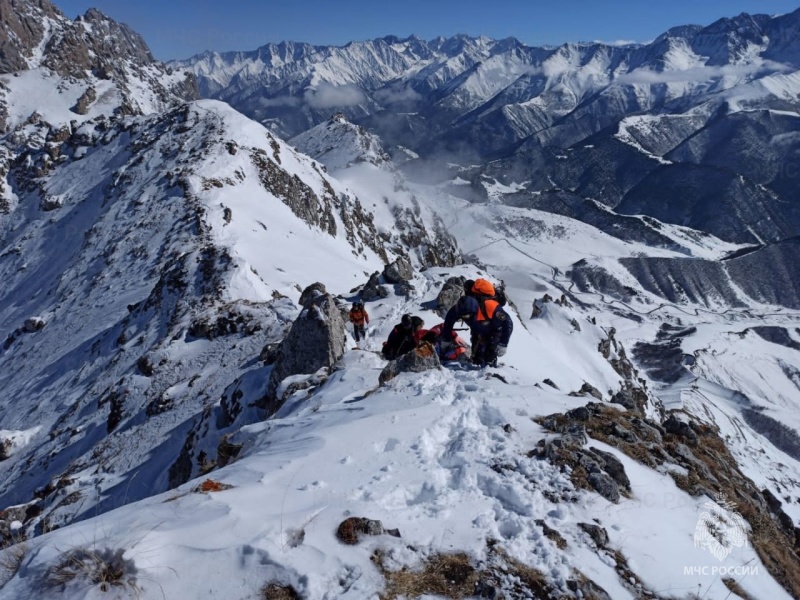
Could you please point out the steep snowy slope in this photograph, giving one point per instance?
(357, 159)
(126, 269)
(449, 458)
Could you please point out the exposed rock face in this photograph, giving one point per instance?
(33, 324)
(311, 293)
(23, 28)
(296, 194)
(34, 33)
(695, 447)
(315, 341)
(590, 467)
(85, 101)
(422, 358)
(374, 289)
(451, 291)
(400, 271)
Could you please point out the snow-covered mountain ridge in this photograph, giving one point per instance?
(707, 115)
(183, 417)
(416, 91)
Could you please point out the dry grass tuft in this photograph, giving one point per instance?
(736, 589)
(276, 591)
(105, 568)
(551, 534)
(448, 575)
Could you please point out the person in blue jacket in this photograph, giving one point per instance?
(489, 324)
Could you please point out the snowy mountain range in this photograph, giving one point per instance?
(489, 94)
(186, 415)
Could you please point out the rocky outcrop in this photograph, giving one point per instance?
(374, 289)
(23, 26)
(691, 452)
(85, 101)
(590, 468)
(316, 341)
(311, 293)
(422, 358)
(451, 291)
(34, 33)
(399, 271)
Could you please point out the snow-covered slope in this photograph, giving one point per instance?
(90, 65)
(639, 439)
(168, 232)
(449, 459)
(412, 224)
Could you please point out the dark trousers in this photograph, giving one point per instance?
(484, 351)
(358, 332)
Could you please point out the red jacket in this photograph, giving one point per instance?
(358, 317)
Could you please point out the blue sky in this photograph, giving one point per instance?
(181, 28)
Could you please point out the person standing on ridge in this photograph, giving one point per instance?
(481, 308)
(358, 317)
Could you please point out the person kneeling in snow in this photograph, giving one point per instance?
(490, 325)
(401, 339)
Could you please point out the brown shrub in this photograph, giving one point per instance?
(448, 575)
(276, 591)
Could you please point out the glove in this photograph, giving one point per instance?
(445, 346)
(501, 350)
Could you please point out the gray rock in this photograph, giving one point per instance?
(375, 293)
(588, 389)
(422, 358)
(677, 427)
(85, 101)
(311, 293)
(33, 324)
(451, 291)
(598, 534)
(400, 271)
(373, 289)
(605, 486)
(625, 398)
(612, 465)
(315, 341)
(579, 414)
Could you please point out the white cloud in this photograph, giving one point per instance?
(396, 93)
(699, 74)
(619, 42)
(326, 95)
(279, 101)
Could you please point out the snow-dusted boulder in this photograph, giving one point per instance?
(373, 288)
(400, 271)
(422, 358)
(33, 324)
(315, 341)
(311, 293)
(451, 291)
